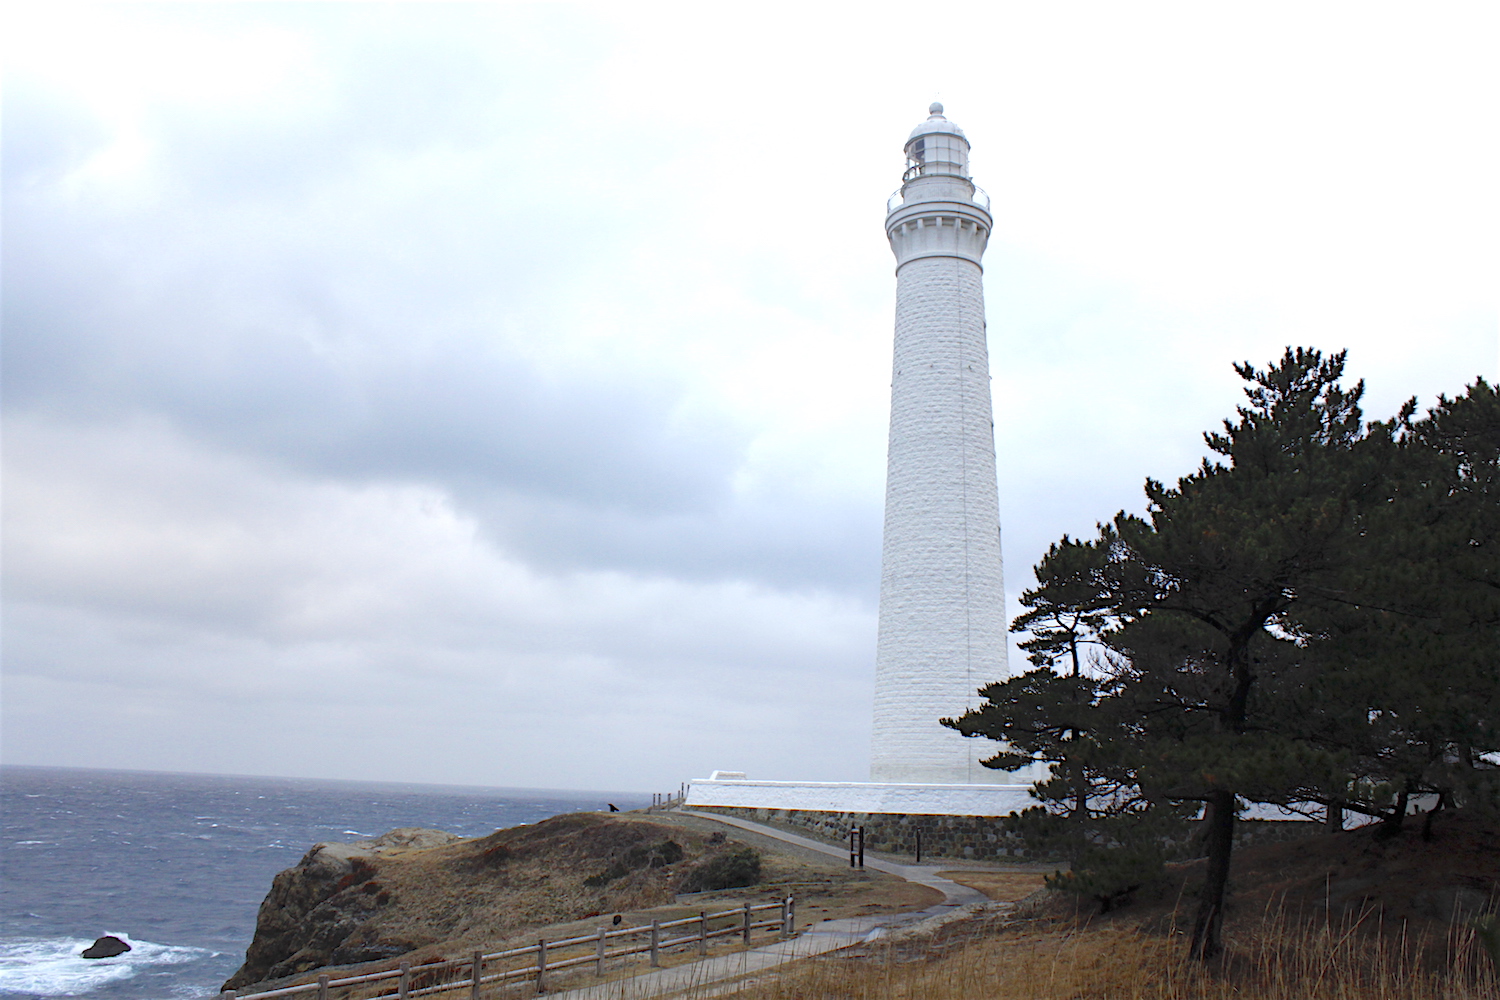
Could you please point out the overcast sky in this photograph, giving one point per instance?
(498, 394)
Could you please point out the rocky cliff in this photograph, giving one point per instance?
(322, 911)
(376, 899)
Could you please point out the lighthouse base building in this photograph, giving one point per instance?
(942, 631)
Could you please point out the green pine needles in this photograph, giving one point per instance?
(1311, 619)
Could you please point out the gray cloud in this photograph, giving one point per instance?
(383, 342)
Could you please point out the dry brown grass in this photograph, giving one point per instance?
(1272, 960)
(448, 904)
(1003, 886)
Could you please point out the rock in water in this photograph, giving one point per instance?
(106, 947)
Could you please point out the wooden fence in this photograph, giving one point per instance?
(475, 972)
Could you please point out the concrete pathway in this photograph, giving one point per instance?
(819, 939)
(830, 935)
(953, 893)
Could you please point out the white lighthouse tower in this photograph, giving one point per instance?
(942, 597)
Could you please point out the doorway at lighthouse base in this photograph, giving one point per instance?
(952, 821)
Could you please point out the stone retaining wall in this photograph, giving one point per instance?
(976, 838)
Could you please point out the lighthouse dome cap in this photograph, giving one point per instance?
(936, 124)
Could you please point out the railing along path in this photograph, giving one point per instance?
(421, 980)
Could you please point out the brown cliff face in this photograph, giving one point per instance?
(349, 903)
(320, 912)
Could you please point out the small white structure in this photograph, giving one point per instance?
(942, 594)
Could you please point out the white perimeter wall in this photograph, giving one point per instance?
(862, 797)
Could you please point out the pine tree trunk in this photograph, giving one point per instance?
(1390, 824)
(1334, 821)
(1221, 803)
(1220, 820)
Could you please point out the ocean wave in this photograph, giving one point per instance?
(52, 967)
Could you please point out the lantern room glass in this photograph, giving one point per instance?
(937, 153)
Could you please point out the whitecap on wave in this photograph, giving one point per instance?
(52, 966)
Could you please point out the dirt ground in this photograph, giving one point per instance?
(1001, 886)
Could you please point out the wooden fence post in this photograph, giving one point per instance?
(405, 987)
(655, 941)
(861, 847)
(702, 933)
(599, 953)
(323, 987)
(747, 925)
(791, 914)
(477, 968)
(541, 965)
(919, 845)
(851, 847)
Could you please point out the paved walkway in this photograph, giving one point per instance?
(953, 893)
(830, 935)
(819, 939)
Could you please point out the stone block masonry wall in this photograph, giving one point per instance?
(942, 597)
(968, 838)
(975, 838)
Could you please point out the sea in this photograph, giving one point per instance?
(177, 864)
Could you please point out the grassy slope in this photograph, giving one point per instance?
(1345, 917)
(519, 884)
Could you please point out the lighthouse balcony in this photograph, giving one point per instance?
(965, 191)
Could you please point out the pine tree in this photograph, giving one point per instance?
(1409, 688)
(1196, 603)
(1046, 716)
(1065, 714)
(1206, 588)
(1311, 617)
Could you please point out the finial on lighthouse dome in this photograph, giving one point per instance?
(936, 123)
(935, 108)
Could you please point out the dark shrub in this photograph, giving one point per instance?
(494, 856)
(668, 852)
(640, 856)
(730, 870)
